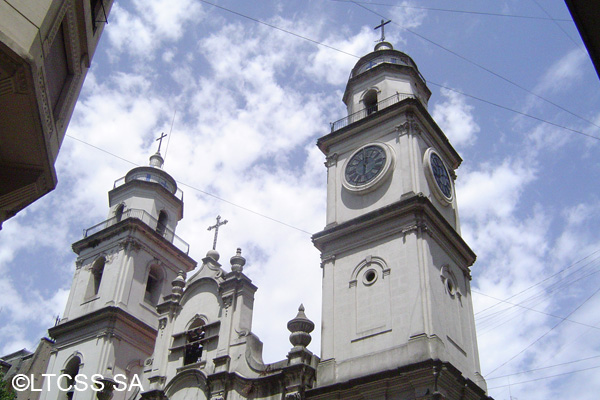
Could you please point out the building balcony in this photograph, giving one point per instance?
(365, 112)
(146, 218)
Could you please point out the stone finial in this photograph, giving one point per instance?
(237, 261)
(213, 254)
(178, 285)
(301, 327)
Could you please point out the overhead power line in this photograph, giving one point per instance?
(279, 28)
(534, 310)
(544, 335)
(456, 11)
(543, 280)
(543, 378)
(578, 44)
(433, 83)
(199, 190)
(542, 368)
(492, 73)
(515, 111)
(490, 321)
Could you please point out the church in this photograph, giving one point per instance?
(397, 313)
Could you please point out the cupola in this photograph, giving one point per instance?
(148, 193)
(382, 78)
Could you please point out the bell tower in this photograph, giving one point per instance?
(397, 318)
(125, 266)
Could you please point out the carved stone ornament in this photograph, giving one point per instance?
(331, 160)
(410, 126)
(109, 257)
(227, 300)
(45, 103)
(162, 323)
(418, 227)
(130, 243)
(328, 259)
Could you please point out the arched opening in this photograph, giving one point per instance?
(370, 101)
(161, 226)
(194, 338)
(97, 271)
(71, 370)
(119, 212)
(153, 285)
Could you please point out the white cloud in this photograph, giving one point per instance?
(144, 29)
(562, 74)
(455, 117)
(493, 190)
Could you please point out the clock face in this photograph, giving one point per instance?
(440, 173)
(365, 165)
(438, 176)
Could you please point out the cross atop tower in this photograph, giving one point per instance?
(216, 228)
(382, 26)
(162, 136)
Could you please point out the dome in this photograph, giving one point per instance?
(383, 53)
(153, 173)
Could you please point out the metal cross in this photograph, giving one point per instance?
(382, 26)
(216, 228)
(159, 140)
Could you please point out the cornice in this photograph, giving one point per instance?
(409, 106)
(130, 226)
(415, 213)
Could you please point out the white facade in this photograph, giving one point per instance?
(124, 268)
(396, 273)
(397, 318)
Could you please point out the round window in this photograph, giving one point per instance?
(450, 286)
(370, 277)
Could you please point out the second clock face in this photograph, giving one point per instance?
(441, 175)
(365, 165)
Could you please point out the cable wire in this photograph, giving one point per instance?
(200, 190)
(542, 368)
(456, 11)
(544, 335)
(542, 378)
(534, 310)
(488, 71)
(543, 280)
(279, 29)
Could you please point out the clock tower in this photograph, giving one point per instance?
(397, 319)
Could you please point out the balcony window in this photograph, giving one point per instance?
(370, 101)
(161, 226)
(193, 346)
(153, 285)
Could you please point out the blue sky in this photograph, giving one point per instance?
(251, 100)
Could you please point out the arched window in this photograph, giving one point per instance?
(162, 222)
(370, 101)
(119, 212)
(96, 276)
(194, 338)
(153, 285)
(71, 370)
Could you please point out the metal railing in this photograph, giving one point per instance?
(146, 218)
(369, 110)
